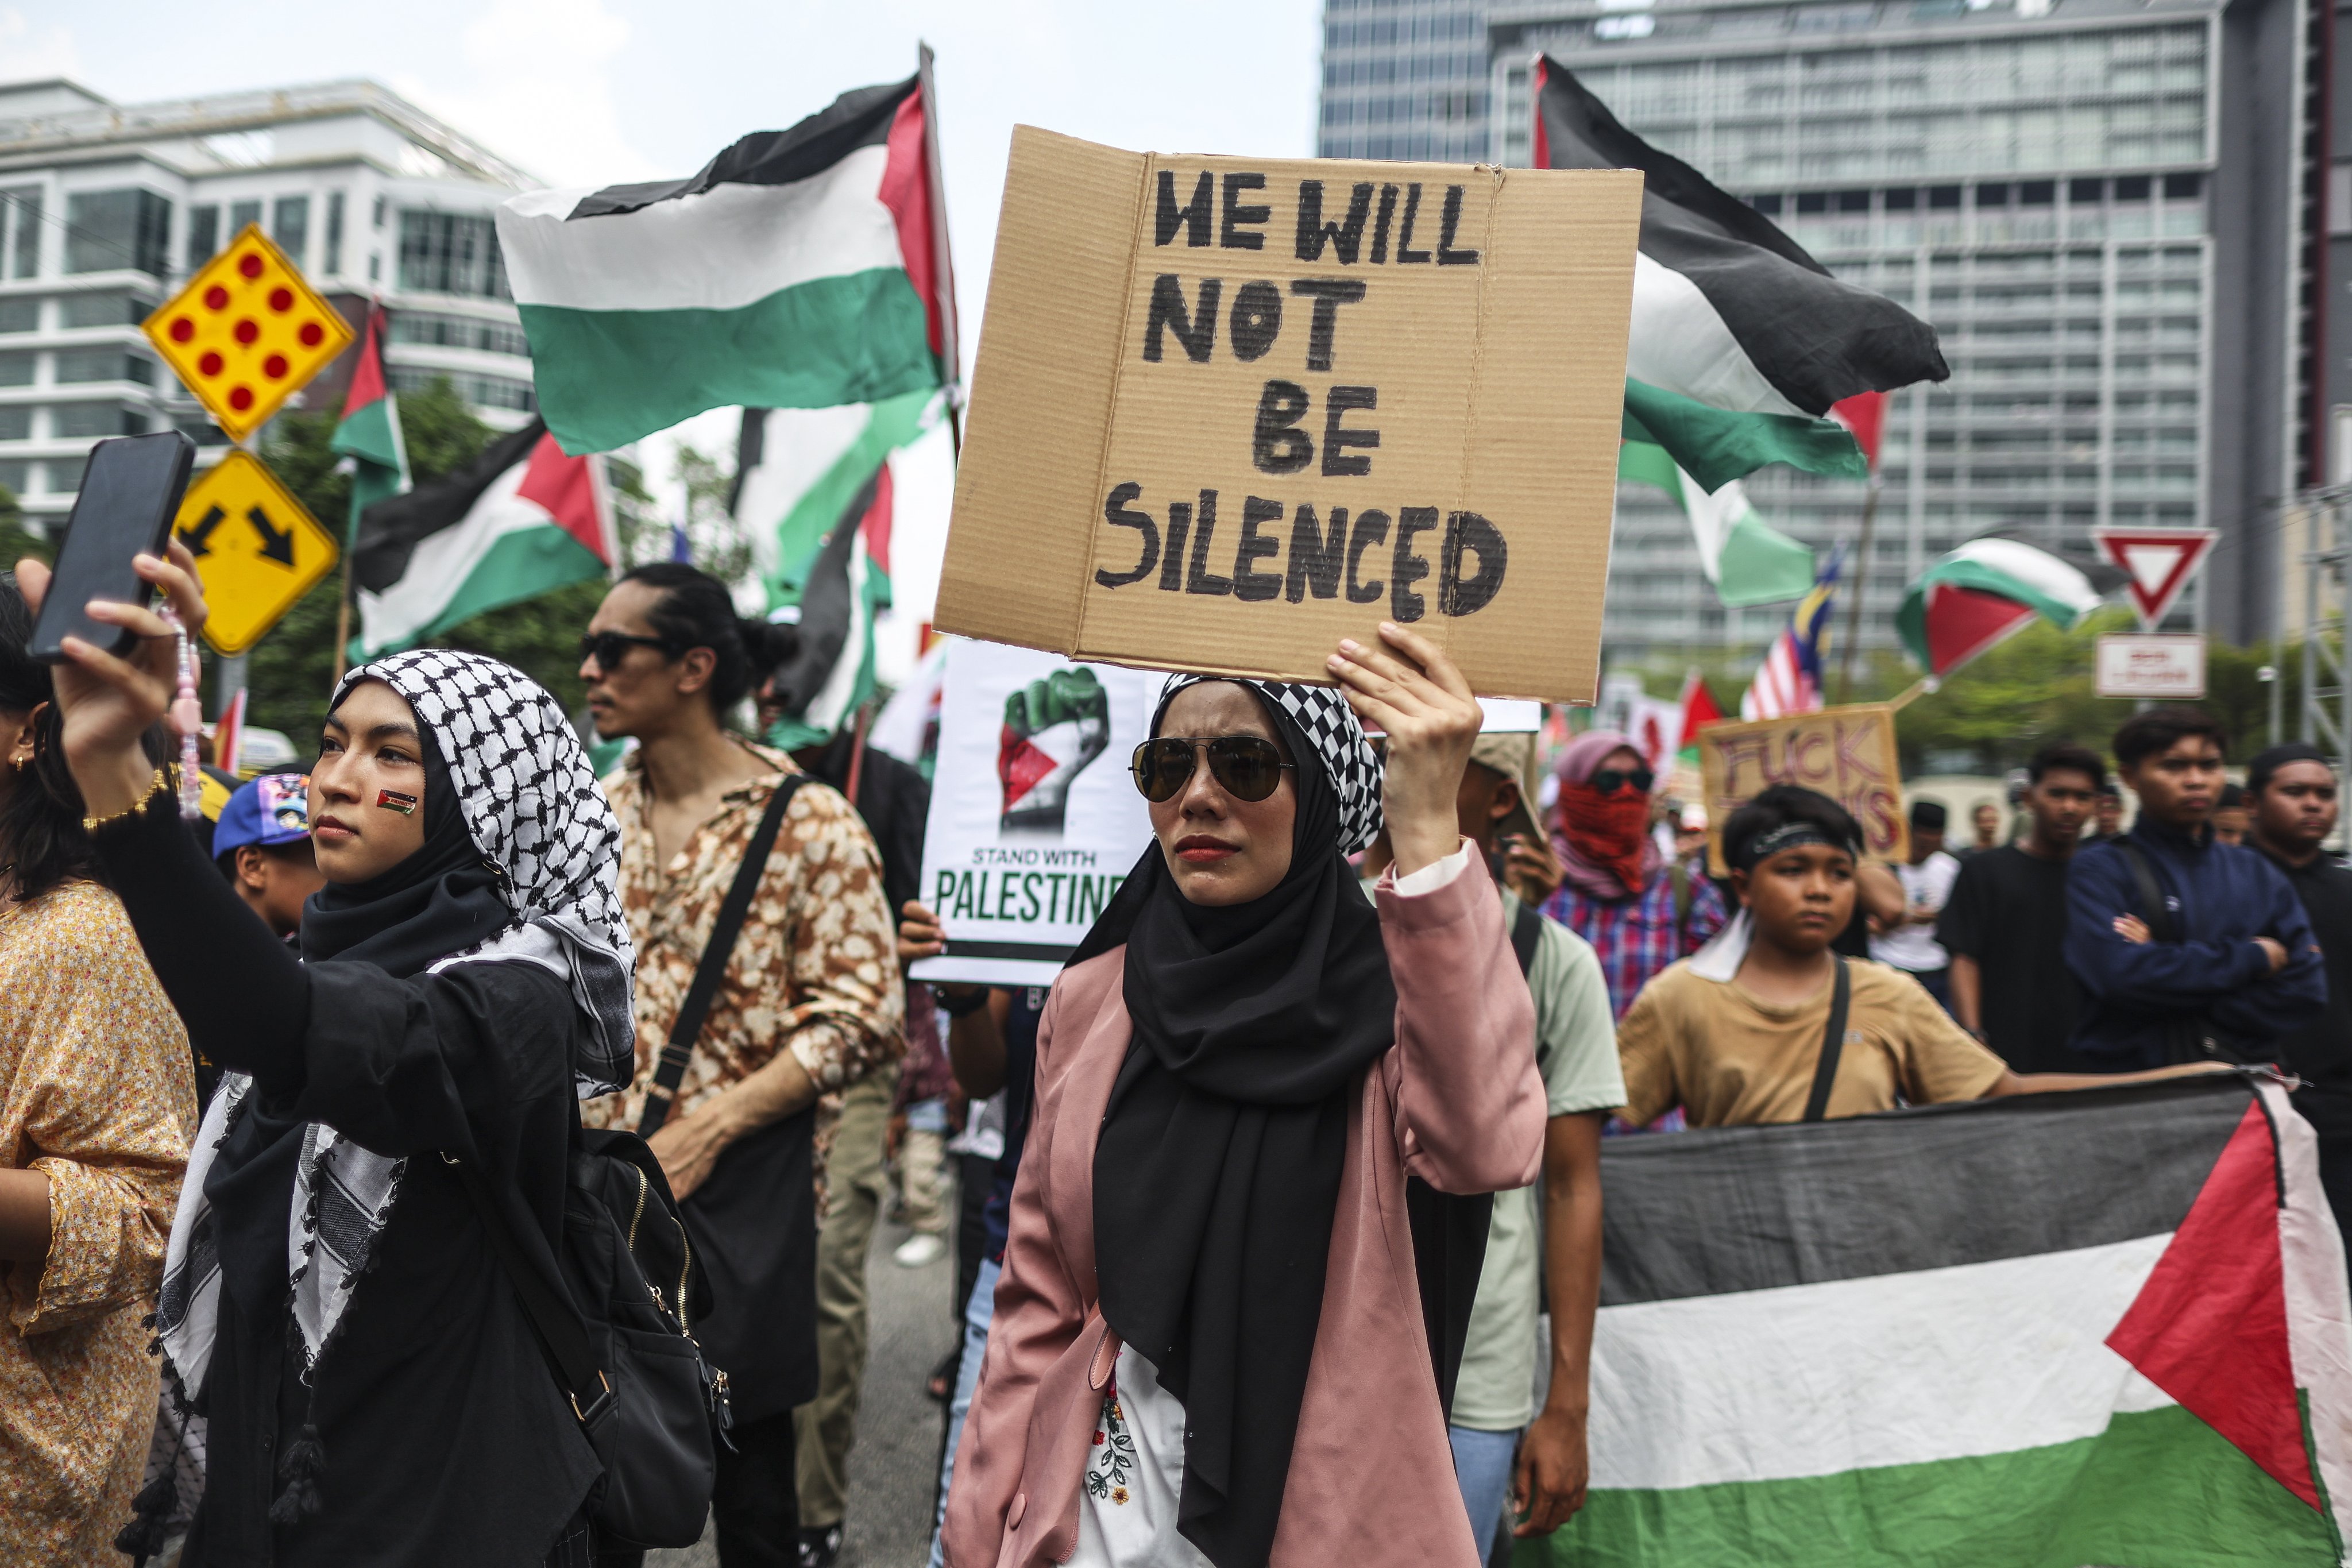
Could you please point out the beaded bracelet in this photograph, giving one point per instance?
(160, 783)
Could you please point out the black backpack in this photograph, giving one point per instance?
(618, 1330)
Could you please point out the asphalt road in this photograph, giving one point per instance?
(894, 1468)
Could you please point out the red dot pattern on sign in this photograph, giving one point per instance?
(210, 365)
(274, 367)
(247, 331)
(312, 334)
(240, 398)
(182, 329)
(281, 299)
(250, 264)
(216, 297)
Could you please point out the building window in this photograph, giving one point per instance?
(20, 218)
(108, 231)
(481, 390)
(110, 309)
(83, 421)
(16, 423)
(451, 253)
(375, 267)
(290, 227)
(242, 216)
(15, 477)
(459, 333)
(379, 212)
(334, 263)
(203, 234)
(20, 315)
(17, 369)
(75, 366)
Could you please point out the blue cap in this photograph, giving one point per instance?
(272, 809)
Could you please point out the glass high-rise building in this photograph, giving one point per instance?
(2104, 206)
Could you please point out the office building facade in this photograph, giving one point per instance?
(2106, 208)
(105, 209)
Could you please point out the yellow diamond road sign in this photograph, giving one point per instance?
(256, 550)
(247, 332)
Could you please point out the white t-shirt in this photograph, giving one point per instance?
(1913, 947)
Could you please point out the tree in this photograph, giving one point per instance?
(17, 541)
(291, 671)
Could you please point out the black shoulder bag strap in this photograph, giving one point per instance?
(557, 1321)
(1526, 930)
(1817, 1104)
(687, 1027)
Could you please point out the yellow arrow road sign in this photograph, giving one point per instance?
(258, 550)
(245, 332)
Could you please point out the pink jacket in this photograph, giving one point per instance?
(1458, 1103)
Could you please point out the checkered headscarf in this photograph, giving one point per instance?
(1329, 725)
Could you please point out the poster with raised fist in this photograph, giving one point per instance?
(1016, 873)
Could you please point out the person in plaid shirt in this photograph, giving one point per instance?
(1611, 884)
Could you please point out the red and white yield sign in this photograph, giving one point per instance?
(2158, 564)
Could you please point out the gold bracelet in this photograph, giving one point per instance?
(161, 783)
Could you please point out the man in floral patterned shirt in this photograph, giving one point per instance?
(811, 1003)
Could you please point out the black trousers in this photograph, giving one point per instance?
(756, 1504)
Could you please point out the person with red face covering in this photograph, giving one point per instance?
(1616, 890)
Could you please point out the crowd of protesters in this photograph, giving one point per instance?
(1277, 1219)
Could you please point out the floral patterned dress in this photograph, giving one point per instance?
(99, 1092)
(1126, 1502)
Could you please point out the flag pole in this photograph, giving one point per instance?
(943, 286)
(1861, 584)
(342, 617)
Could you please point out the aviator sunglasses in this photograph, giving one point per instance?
(1246, 767)
(609, 649)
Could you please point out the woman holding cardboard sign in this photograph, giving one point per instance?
(1208, 1345)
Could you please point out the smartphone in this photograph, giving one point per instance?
(130, 495)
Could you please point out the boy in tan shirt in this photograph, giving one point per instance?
(1733, 1032)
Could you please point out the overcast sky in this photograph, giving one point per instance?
(596, 91)
(592, 92)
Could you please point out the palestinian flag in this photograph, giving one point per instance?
(1741, 341)
(2102, 1327)
(800, 268)
(1987, 590)
(1699, 711)
(797, 468)
(369, 438)
(840, 586)
(524, 520)
(1749, 561)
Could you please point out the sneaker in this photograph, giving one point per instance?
(820, 1547)
(920, 1250)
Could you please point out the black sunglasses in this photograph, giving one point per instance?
(1609, 780)
(1246, 767)
(609, 649)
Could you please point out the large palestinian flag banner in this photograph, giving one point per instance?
(2109, 1328)
(800, 268)
(1740, 341)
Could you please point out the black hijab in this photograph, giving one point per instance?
(442, 899)
(1217, 1167)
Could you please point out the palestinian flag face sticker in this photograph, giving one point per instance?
(1053, 729)
(392, 800)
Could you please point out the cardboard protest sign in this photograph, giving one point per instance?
(1846, 754)
(1018, 870)
(1228, 411)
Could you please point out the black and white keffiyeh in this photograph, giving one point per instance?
(532, 807)
(1332, 729)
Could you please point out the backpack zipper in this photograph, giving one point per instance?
(644, 1186)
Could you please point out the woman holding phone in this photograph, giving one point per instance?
(331, 1300)
(1208, 1343)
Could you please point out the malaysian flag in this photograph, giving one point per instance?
(1790, 681)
